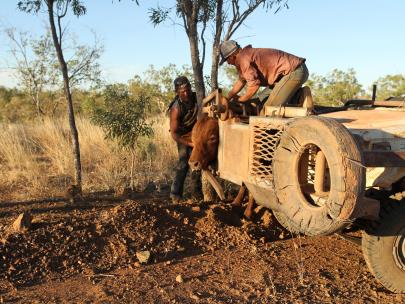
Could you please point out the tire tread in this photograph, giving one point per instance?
(372, 244)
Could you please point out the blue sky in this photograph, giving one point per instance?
(366, 35)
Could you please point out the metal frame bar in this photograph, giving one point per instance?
(384, 159)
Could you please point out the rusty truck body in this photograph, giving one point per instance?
(319, 168)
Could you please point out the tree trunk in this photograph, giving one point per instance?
(37, 101)
(132, 168)
(197, 67)
(215, 45)
(68, 95)
(190, 22)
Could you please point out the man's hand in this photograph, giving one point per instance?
(235, 98)
(186, 138)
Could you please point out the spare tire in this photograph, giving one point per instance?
(318, 175)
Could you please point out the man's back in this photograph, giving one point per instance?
(264, 66)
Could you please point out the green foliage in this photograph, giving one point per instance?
(335, 88)
(34, 6)
(163, 78)
(390, 86)
(37, 69)
(157, 99)
(83, 65)
(35, 65)
(16, 105)
(123, 116)
(231, 73)
(157, 86)
(158, 15)
(6, 94)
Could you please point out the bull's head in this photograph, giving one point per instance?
(205, 138)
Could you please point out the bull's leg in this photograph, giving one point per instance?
(249, 208)
(237, 202)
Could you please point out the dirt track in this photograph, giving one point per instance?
(87, 254)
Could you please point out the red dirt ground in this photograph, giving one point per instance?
(87, 254)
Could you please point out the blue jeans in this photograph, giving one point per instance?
(181, 169)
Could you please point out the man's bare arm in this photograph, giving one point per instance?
(251, 90)
(237, 87)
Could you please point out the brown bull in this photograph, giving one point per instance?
(205, 138)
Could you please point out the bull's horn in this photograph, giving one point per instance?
(215, 184)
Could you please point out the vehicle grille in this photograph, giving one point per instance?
(264, 141)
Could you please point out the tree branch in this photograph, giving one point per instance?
(60, 16)
(203, 44)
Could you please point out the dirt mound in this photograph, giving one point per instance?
(65, 247)
(97, 242)
(223, 227)
(136, 226)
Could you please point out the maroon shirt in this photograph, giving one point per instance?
(260, 66)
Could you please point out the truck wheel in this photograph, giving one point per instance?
(384, 247)
(318, 175)
(286, 223)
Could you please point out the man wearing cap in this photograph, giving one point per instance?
(281, 73)
(183, 115)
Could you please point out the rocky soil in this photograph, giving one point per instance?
(148, 250)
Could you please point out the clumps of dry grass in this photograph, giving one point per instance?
(17, 157)
(16, 148)
(36, 158)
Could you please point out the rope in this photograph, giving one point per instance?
(356, 162)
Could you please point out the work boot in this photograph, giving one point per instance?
(175, 198)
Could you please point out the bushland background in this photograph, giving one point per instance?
(35, 158)
(122, 127)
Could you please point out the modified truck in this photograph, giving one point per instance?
(324, 170)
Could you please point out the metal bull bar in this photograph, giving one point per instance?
(220, 106)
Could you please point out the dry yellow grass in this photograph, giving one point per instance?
(36, 158)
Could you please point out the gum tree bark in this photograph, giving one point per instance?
(57, 41)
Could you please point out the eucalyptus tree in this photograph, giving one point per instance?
(224, 17)
(32, 72)
(123, 116)
(391, 86)
(58, 9)
(336, 87)
(36, 67)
